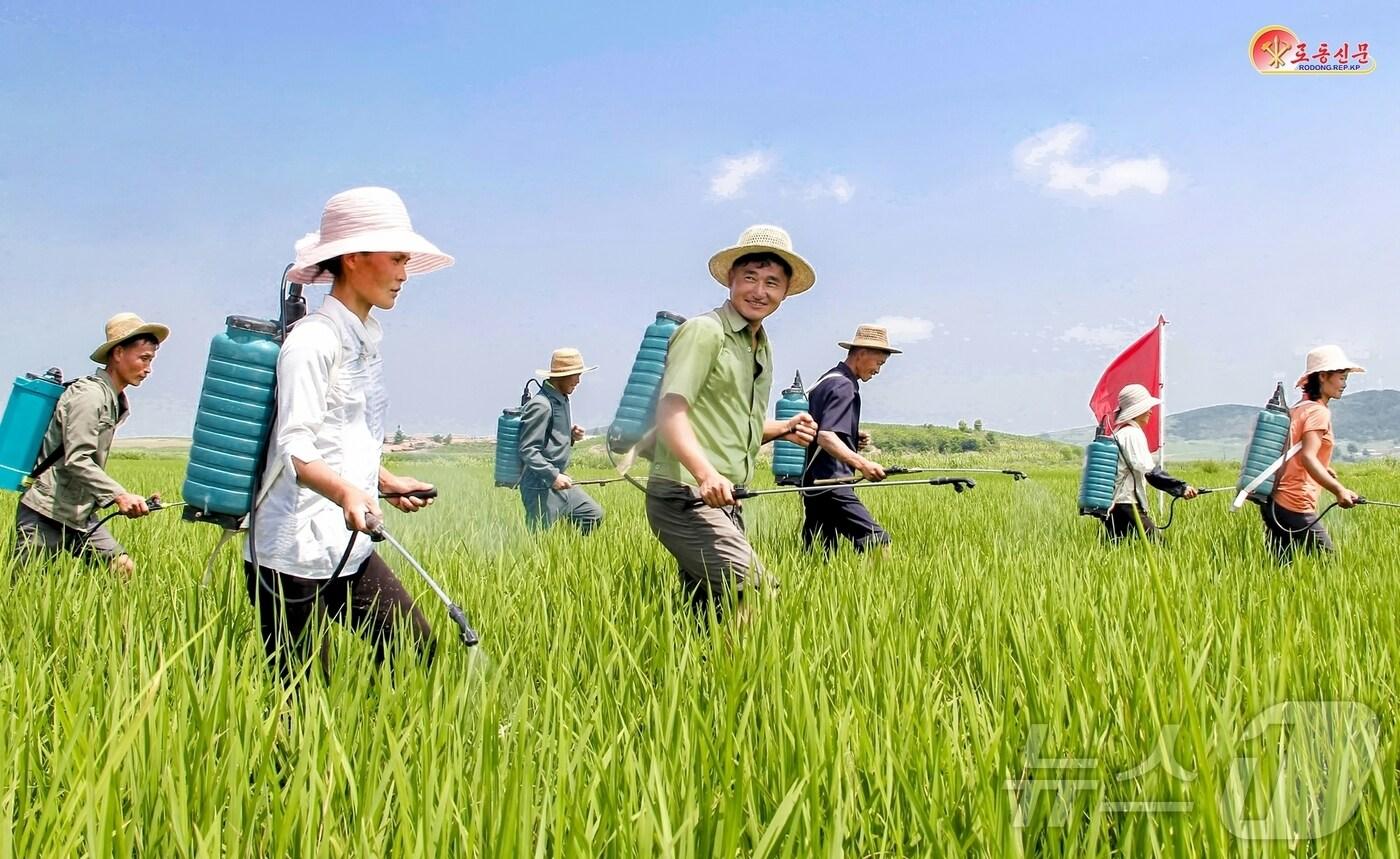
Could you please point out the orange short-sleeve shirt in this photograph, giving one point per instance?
(1296, 490)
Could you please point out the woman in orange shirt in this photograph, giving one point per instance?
(1290, 516)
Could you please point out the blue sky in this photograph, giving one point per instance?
(1026, 186)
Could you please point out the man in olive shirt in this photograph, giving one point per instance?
(59, 511)
(547, 436)
(710, 419)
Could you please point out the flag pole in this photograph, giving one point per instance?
(1162, 395)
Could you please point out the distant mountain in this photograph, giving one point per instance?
(1366, 418)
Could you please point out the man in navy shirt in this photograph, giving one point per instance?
(834, 402)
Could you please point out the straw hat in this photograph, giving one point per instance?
(1134, 401)
(870, 337)
(762, 238)
(364, 220)
(123, 326)
(565, 362)
(1327, 359)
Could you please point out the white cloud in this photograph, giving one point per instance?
(734, 174)
(837, 187)
(906, 329)
(1052, 158)
(1099, 336)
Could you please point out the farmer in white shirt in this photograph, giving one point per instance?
(305, 554)
(1136, 470)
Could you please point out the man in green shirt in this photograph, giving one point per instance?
(547, 437)
(59, 511)
(711, 418)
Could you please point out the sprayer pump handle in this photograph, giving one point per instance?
(420, 494)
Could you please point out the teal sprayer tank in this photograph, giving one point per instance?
(1100, 474)
(637, 412)
(508, 467)
(27, 416)
(1266, 445)
(232, 423)
(789, 459)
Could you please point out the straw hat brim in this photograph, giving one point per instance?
(1303, 379)
(156, 330)
(803, 276)
(559, 374)
(423, 255)
(1139, 409)
(861, 344)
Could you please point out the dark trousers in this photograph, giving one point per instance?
(36, 533)
(372, 600)
(1119, 522)
(833, 514)
(1288, 531)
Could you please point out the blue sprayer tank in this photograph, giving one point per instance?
(27, 416)
(637, 412)
(508, 466)
(508, 469)
(232, 423)
(1100, 474)
(789, 459)
(1266, 445)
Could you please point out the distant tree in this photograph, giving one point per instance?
(1353, 448)
(962, 426)
(437, 437)
(977, 424)
(969, 444)
(447, 438)
(398, 435)
(991, 438)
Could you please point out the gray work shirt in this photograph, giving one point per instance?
(546, 438)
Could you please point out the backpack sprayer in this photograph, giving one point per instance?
(790, 460)
(509, 469)
(1265, 454)
(28, 413)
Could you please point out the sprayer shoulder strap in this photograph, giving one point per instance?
(832, 375)
(56, 455)
(330, 386)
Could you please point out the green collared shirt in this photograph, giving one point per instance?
(712, 363)
(84, 422)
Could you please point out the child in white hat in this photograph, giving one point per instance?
(1290, 516)
(1136, 470)
(324, 472)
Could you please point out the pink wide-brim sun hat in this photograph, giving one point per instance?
(1327, 359)
(364, 220)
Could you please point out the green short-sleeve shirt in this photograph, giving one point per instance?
(713, 363)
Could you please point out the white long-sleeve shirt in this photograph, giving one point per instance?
(1134, 461)
(331, 406)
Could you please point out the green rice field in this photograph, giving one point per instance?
(1002, 684)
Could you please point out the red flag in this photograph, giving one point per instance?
(1140, 363)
